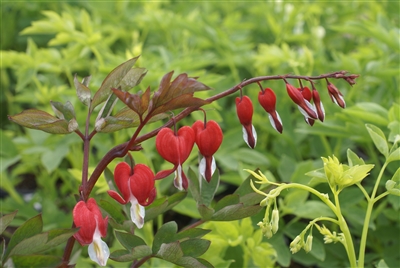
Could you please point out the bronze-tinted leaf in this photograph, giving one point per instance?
(41, 120)
(82, 90)
(176, 94)
(136, 102)
(112, 80)
(182, 101)
(63, 111)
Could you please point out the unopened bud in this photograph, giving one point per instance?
(308, 245)
(72, 125)
(295, 246)
(275, 220)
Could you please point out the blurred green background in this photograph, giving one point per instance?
(43, 44)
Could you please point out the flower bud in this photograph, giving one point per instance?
(244, 110)
(296, 244)
(308, 245)
(336, 95)
(275, 220)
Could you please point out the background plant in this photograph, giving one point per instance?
(231, 43)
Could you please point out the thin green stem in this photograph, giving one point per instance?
(363, 191)
(367, 219)
(351, 254)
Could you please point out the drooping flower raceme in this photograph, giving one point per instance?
(244, 110)
(137, 187)
(175, 148)
(208, 139)
(87, 216)
(267, 99)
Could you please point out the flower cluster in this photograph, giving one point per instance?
(176, 146)
(307, 101)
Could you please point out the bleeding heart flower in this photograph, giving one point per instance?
(318, 105)
(208, 139)
(244, 110)
(305, 107)
(336, 95)
(137, 187)
(267, 99)
(175, 148)
(87, 216)
(306, 92)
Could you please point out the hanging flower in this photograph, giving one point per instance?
(137, 187)
(267, 99)
(335, 95)
(305, 107)
(87, 216)
(244, 110)
(306, 93)
(175, 148)
(318, 105)
(208, 139)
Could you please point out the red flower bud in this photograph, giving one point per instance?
(267, 99)
(175, 148)
(336, 95)
(208, 139)
(304, 105)
(318, 105)
(244, 110)
(306, 93)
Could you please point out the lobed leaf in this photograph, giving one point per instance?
(136, 253)
(235, 212)
(36, 261)
(41, 120)
(195, 247)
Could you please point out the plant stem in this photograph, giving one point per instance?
(367, 219)
(351, 254)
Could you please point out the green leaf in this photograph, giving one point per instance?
(161, 205)
(227, 200)
(114, 211)
(41, 120)
(193, 262)
(30, 228)
(129, 241)
(192, 233)
(82, 90)
(235, 212)
(353, 159)
(36, 261)
(171, 252)
(195, 247)
(313, 209)
(382, 264)
(133, 255)
(112, 80)
(394, 156)
(42, 242)
(6, 220)
(63, 111)
(396, 176)
(166, 234)
(205, 212)
(379, 139)
(202, 191)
